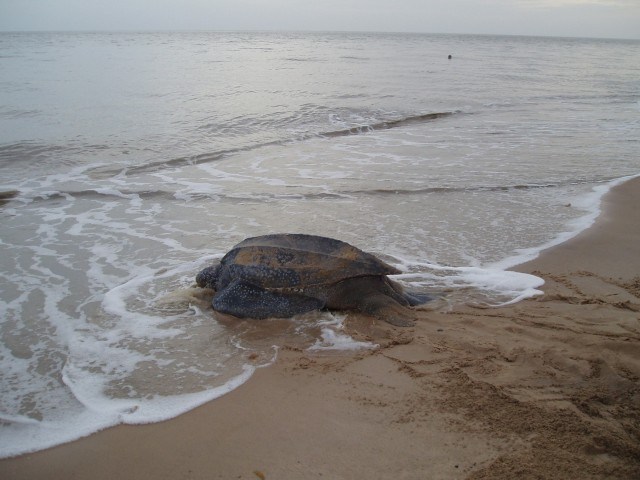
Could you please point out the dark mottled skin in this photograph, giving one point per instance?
(286, 274)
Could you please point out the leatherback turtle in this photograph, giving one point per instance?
(283, 275)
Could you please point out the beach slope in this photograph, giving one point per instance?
(546, 388)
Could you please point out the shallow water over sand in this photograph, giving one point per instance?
(140, 158)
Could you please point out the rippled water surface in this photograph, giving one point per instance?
(130, 161)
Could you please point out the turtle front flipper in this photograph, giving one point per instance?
(246, 300)
(385, 308)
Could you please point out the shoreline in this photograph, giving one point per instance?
(584, 223)
(547, 387)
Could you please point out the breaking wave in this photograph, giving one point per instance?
(172, 195)
(226, 153)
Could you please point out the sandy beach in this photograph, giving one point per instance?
(546, 388)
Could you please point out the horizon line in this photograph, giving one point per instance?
(317, 31)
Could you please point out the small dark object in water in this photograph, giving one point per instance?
(450, 57)
(5, 197)
(283, 275)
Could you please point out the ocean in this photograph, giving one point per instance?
(130, 161)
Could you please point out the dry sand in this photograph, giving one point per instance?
(547, 388)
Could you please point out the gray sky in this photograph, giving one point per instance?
(581, 18)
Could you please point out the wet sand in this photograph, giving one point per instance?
(546, 388)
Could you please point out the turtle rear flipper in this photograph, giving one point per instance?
(385, 308)
(418, 298)
(246, 300)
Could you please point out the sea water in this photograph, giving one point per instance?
(129, 161)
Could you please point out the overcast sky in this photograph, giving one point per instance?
(576, 18)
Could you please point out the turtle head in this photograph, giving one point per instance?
(208, 277)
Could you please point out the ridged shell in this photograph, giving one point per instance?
(289, 261)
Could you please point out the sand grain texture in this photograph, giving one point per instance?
(544, 389)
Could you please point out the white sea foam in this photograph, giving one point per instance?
(157, 408)
(96, 357)
(333, 337)
(91, 277)
(505, 287)
(22, 435)
(590, 203)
